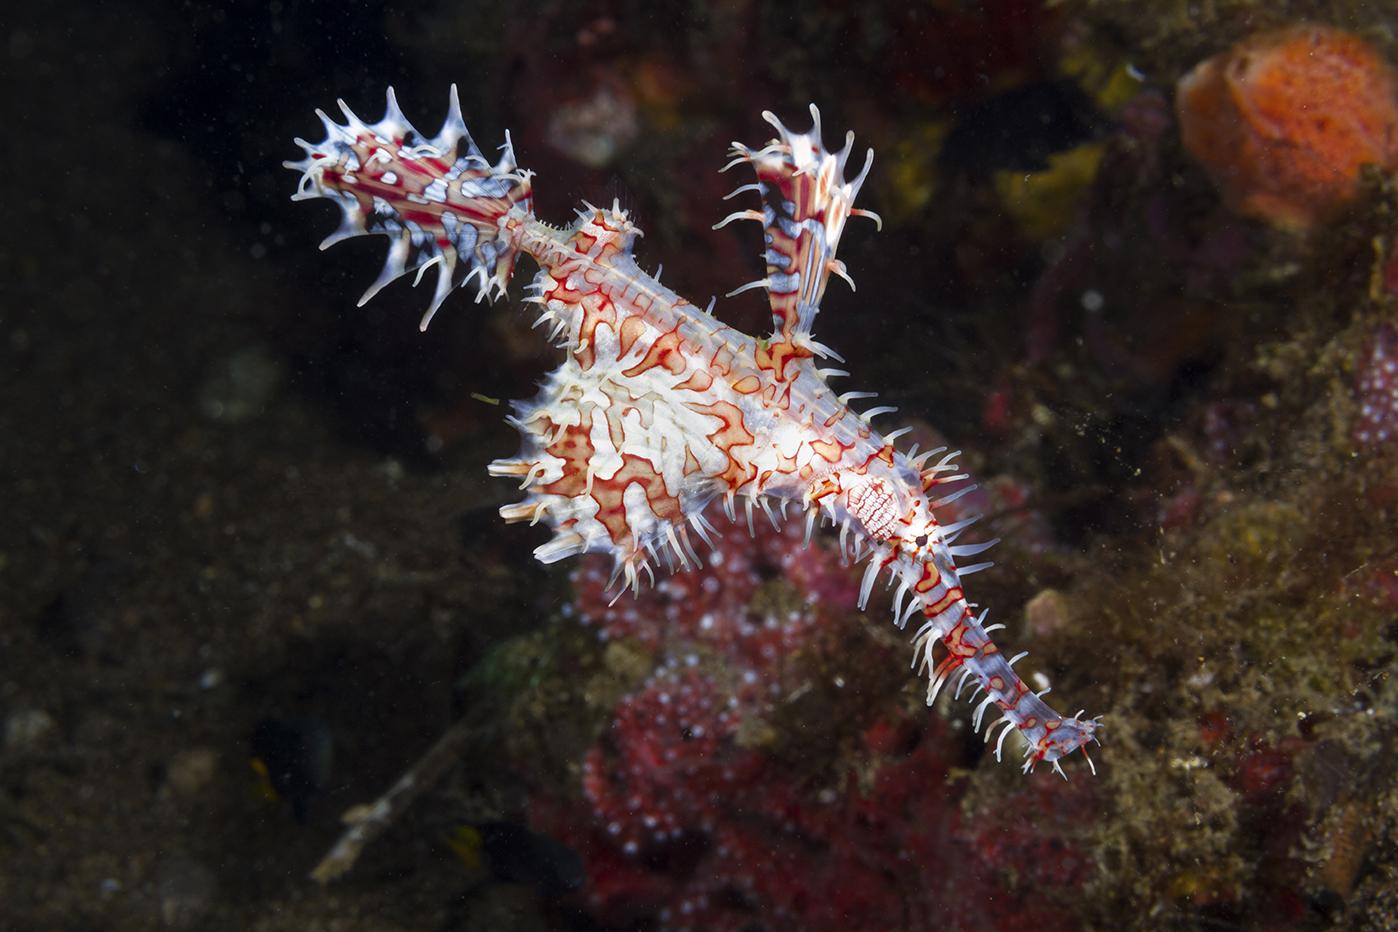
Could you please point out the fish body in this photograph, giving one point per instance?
(659, 408)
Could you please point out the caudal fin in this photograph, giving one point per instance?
(1047, 735)
(438, 199)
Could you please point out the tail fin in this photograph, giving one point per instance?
(1047, 735)
(438, 199)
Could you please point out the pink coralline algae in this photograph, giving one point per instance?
(667, 757)
(1378, 389)
(688, 822)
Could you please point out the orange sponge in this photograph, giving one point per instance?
(1283, 121)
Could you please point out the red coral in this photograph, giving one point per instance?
(685, 827)
(763, 851)
(690, 831)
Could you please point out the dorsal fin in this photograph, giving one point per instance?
(806, 201)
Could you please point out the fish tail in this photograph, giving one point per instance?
(972, 656)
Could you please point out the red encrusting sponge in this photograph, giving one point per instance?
(1283, 121)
